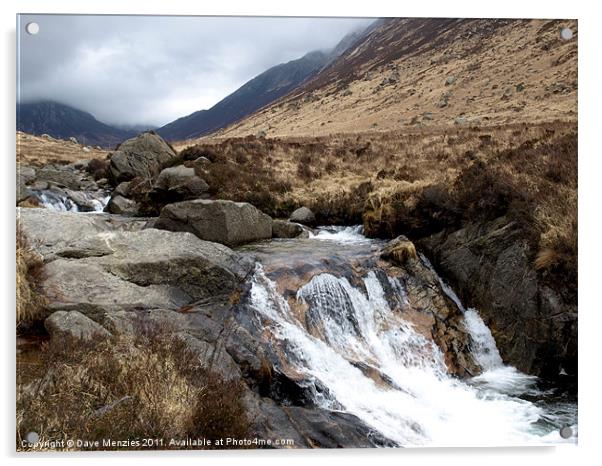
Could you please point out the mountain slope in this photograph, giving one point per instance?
(62, 121)
(259, 91)
(433, 72)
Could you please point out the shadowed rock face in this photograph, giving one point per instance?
(226, 222)
(144, 156)
(491, 268)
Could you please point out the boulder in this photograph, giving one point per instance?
(304, 216)
(179, 183)
(49, 232)
(122, 189)
(66, 177)
(122, 206)
(226, 222)
(74, 326)
(147, 269)
(145, 156)
(286, 229)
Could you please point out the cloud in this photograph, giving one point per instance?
(153, 69)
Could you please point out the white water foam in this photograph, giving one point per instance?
(421, 404)
(353, 234)
(60, 202)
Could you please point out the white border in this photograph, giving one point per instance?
(590, 170)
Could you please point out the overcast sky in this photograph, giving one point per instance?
(152, 70)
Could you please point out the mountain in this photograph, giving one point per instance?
(256, 93)
(61, 121)
(406, 73)
(259, 91)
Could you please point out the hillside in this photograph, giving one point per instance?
(260, 91)
(433, 72)
(62, 122)
(36, 151)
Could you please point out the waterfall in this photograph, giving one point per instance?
(375, 365)
(72, 201)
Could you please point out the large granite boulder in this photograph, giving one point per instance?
(122, 206)
(145, 156)
(179, 183)
(304, 216)
(286, 229)
(121, 270)
(226, 222)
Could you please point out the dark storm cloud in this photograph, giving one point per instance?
(151, 70)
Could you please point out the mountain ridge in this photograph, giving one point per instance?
(257, 93)
(63, 121)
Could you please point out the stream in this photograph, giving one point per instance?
(347, 324)
(340, 321)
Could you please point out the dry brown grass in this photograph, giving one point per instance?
(36, 151)
(127, 388)
(414, 182)
(30, 303)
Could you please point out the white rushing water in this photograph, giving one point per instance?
(341, 234)
(61, 202)
(406, 394)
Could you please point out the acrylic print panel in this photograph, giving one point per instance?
(398, 267)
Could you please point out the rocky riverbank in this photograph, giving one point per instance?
(168, 256)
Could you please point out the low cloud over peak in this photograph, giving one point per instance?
(130, 70)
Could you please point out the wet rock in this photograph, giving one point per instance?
(122, 206)
(86, 201)
(286, 229)
(310, 428)
(226, 222)
(304, 216)
(144, 156)
(179, 183)
(490, 267)
(399, 251)
(74, 326)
